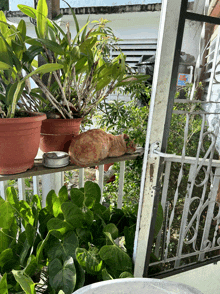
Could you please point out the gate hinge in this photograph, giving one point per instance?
(154, 151)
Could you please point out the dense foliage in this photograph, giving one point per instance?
(67, 244)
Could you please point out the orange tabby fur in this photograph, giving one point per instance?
(94, 145)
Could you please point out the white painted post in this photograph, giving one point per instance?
(101, 179)
(21, 189)
(36, 185)
(163, 90)
(81, 177)
(3, 185)
(51, 182)
(121, 184)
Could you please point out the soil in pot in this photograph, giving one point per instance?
(56, 134)
(19, 142)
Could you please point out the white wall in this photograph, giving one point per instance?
(136, 25)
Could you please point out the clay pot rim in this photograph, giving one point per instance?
(62, 119)
(35, 116)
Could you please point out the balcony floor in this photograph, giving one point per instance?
(206, 278)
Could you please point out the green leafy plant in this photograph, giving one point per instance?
(67, 244)
(88, 74)
(16, 69)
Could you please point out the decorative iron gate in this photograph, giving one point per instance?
(190, 196)
(190, 232)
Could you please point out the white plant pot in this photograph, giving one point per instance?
(137, 286)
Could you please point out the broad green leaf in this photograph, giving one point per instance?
(44, 217)
(31, 53)
(45, 68)
(53, 46)
(80, 281)
(41, 247)
(84, 235)
(109, 238)
(32, 42)
(62, 276)
(6, 215)
(36, 200)
(112, 229)
(92, 188)
(12, 197)
(25, 282)
(129, 80)
(4, 66)
(105, 275)
(24, 252)
(5, 54)
(101, 212)
(80, 65)
(31, 266)
(11, 91)
(3, 284)
(63, 194)
(129, 233)
(29, 11)
(30, 232)
(3, 98)
(22, 29)
(75, 53)
(42, 12)
(5, 256)
(125, 275)
(89, 260)
(103, 83)
(27, 183)
(89, 217)
(57, 207)
(51, 31)
(116, 259)
(58, 227)
(72, 214)
(64, 248)
(50, 199)
(5, 239)
(77, 197)
(90, 200)
(26, 213)
(3, 21)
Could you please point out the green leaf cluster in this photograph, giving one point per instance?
(88, 74)
(16, 67)
(63, 246)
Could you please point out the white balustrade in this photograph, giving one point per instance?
(44, 183)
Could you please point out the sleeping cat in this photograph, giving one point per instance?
(94, 145)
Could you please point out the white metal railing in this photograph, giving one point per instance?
(44, 179)
(56, 180)
(200, 245)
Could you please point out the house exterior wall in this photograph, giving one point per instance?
(136, 25)
(87, 3)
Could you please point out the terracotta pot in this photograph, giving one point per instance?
(19, 142)
(56, 134)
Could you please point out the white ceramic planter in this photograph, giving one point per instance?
(137, 286)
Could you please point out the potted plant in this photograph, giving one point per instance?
(20, 124)
(88, 75)
(63, 246)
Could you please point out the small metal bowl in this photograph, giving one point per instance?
(55, 159)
